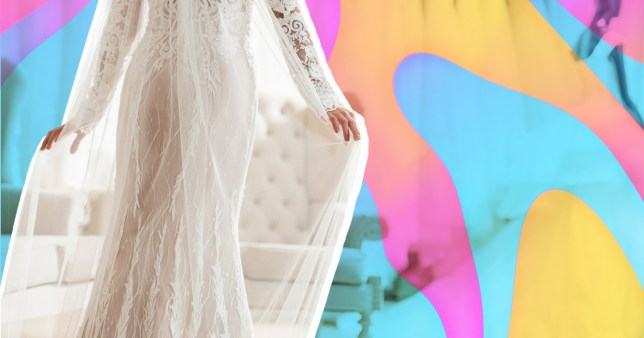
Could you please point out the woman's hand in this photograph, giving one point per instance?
(343, 118)
(52, 136)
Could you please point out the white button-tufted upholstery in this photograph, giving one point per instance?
(280, 197)
(276, 202)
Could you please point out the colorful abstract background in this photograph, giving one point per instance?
(506, 151)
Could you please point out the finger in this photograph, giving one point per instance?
(354, 126)
(44, 142)
(354, 130)
(346, 129)
(52, 139)
(334, 121)
(343, 122)
(347, 125)
(58, 132)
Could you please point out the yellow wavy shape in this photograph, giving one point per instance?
(572, 278)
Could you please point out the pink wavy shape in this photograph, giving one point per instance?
(626, 28)
(14, 11)
(326, 17)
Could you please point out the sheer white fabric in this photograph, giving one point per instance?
(167, 92)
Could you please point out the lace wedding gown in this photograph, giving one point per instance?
(170, 264)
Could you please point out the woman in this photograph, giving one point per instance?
(170, 265)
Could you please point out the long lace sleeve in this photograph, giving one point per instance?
(115, 39)
(305, 58)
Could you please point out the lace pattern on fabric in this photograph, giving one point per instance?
(116, 40)
(298, 34)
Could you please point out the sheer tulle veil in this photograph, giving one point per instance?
(211, 90)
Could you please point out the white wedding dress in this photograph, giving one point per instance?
(180, 77)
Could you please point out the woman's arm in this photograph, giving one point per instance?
(114, 43)
(116, 38)
(307, 64)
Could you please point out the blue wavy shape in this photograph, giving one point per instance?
(502, 149)
(39, 88)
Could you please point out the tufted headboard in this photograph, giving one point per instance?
(280, 159)
(282, 199)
